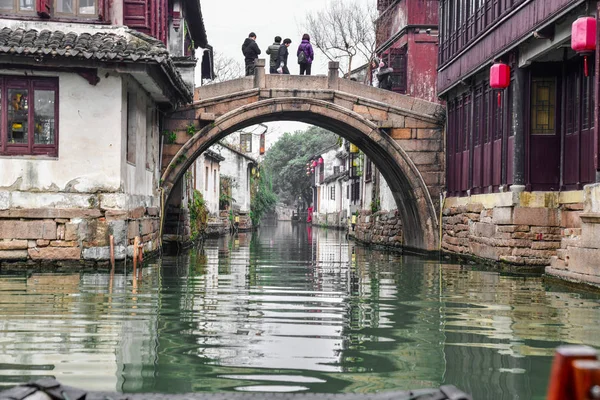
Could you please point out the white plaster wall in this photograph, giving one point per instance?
(209, 191)
(89, 152)
(236, 166)
(386, 198)
(139, 180)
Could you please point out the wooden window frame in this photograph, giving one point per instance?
(77, 15)
(398, 60)
(368, 171)
(15, 10)
(246, 142)
(462, 21)
(45, 9)
(30, 148)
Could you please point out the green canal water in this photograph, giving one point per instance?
(291, 308)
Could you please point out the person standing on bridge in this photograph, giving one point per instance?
(282, 57)
(305, 54)
(273, 51)
(251, 52)
(374, 71)
(384, 75)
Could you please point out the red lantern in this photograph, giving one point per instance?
(583, 38)
(499, 78)
(320, 160)
(314, 164)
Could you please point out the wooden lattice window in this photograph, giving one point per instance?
(246, 142)
(543, 106)
(29, 116)
(398, 63)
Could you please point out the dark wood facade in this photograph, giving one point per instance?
(540, 134)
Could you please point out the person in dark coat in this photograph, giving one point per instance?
(384, 75)
(305, 54)
(251, 52)
(282, 57)
(273, 51)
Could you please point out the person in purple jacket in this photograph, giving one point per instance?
(306, 55)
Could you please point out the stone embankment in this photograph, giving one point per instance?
(53, 234)
(382, 228)
(523, 229)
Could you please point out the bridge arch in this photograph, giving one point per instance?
(410, 191)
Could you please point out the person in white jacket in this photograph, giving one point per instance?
(374, 69)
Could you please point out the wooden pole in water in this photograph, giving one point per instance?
(111, 239)
(562, 375)
(136, 247)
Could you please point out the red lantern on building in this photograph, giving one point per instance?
(583, 38)
(314, 164)
(499, 78)
(320, 160)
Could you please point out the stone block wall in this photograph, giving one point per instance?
(383, 228)
(334, 220)
(578, 258)
(54, 234)
(516, 228)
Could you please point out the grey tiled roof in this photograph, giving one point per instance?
(105, 46)
(121, 45)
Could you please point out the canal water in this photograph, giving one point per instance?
(291, 308)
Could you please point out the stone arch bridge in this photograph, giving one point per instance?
(403, 136)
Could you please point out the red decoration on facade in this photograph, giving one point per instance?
(583, 38)
(314, 164)
(43, 8)
(176, 15)
(499, 78)
(320, 160)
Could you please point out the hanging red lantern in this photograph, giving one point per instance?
(314, 164)
(583, 38)
(320, 160)
(499, 79)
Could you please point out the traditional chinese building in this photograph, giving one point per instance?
(522, 157)
(83, 86)
(406, 39)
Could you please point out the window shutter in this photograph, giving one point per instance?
(136, 15)
(398, 63)
(43, 8)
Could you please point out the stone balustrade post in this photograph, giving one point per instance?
(333, 76)
(260, 80)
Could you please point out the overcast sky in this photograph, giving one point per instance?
(228, 23)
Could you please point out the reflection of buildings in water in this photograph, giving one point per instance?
(278, 321)
(69, 327)
(511, 324)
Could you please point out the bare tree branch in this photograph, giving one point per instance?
(226, 69)
(343, 31)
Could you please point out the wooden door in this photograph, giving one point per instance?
(488, 153)
(478, 134)
(572, 119)
(544, 130)
(586, 166)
